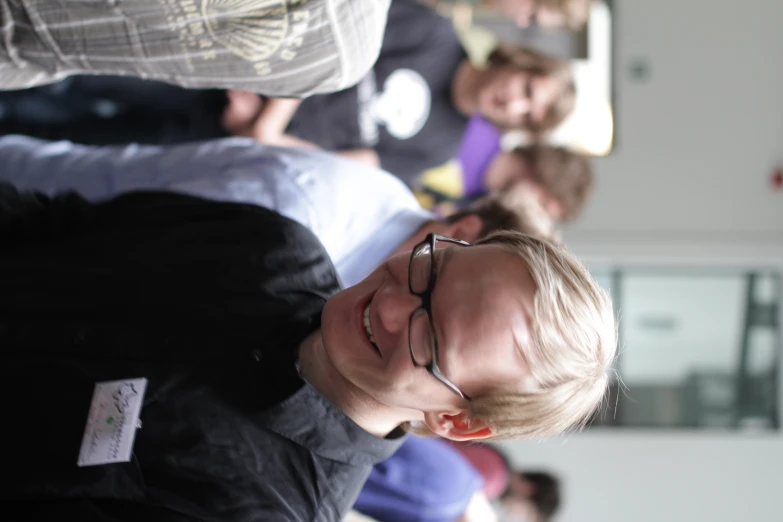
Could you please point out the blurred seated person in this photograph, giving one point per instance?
(551, 14)
(560, 180)
(283, 48)
(360, 214)
(432, 480)
(407, 115)
(518, 495)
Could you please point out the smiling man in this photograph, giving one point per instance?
(264, 391)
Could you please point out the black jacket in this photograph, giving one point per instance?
(208, 301)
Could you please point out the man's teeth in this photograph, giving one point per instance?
(367, 327)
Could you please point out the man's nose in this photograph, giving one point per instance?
(395, 307)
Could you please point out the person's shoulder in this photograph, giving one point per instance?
(430, 478)
(339, 184)
(445, 467)
(411, 21)
(358, 26)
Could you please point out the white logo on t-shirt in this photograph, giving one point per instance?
(402, 107)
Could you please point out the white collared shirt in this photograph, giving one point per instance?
(359, 213)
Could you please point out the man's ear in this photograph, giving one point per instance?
(467, 228)
(456, 426)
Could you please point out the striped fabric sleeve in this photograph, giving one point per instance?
(288, 48)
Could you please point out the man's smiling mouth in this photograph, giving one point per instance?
(368, 328)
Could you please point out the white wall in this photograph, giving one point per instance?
(706, 316)
(687, 183)
(695, 143)
(643, 477)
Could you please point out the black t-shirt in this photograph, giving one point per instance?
(403, 108)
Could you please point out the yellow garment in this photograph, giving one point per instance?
(440, 184)
(445, 179)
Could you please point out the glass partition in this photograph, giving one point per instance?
(700, 348)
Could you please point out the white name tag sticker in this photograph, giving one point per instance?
(112, 422)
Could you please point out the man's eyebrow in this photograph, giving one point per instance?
(445, 256)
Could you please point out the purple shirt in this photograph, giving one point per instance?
(426, 480)
(480, 144)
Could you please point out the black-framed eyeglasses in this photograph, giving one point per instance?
(422, 276)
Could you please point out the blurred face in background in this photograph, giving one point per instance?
(517, 99)
(505, 169)
(529, 12)
(517, 504)
(512, 173)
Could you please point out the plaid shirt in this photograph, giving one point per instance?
(275, 47)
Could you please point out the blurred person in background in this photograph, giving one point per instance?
(532, 496)
(407, 115)
(561, 180)
(425, 481)
(361, 214)
(279, 48)
(433, 480)
(410, 112)
(517, 495)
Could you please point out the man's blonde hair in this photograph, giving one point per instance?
(571, 352)
(572, 349)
